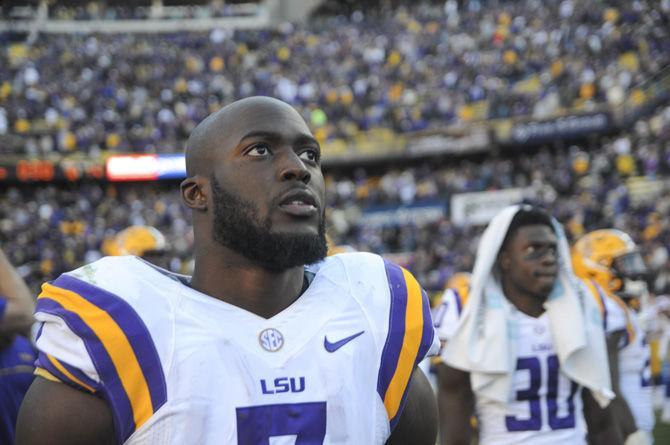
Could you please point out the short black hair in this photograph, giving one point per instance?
(527, 216)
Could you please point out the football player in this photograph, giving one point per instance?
(611, 258)
(268, 342)
(659, 342)
(16, 352)
(143, 241)
(445, 318)
(447, 313)
(544, 404)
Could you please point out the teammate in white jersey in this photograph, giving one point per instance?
(543, 405)
(267, 343)
(448, 312)
(454, 299)
(611, 258)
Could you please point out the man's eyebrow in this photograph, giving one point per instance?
(271, 135)
(542, 241)
(306, 139)
(260, 135)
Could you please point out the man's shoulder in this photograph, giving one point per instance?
(361, 263)
(105, 323)
(353, 259)
(111, 283)
(366, 274)
(107, 266)
(115, 269)
(349, 269)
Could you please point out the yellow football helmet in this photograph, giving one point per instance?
(461, 282)
(136, 240)
(610, 257)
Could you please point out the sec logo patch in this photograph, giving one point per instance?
(271, 340)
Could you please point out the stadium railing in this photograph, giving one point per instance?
(165, 19)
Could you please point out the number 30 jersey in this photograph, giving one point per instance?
(179, 367)
(544, 406)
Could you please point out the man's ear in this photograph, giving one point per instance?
(194, 192)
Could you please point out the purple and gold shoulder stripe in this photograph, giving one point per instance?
(119, 344)
(51, 368)
(409, 338)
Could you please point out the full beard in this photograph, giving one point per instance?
(238, 227)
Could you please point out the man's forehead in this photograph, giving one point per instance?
(263, 120)
(536, 232)
(225, 129)
(267, 114)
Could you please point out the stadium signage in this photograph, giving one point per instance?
(132, 168)
(28, 171)
(171, 166)
(148, 167)
(560, 128)
(476, 141)
(46, 170)
(392, 215)
(477, 208)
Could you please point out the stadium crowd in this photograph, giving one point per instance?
(408, 70)
(50, 229)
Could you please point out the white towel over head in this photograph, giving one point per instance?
(482, 344)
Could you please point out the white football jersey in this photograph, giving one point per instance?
(544, 406)
(179, 367)
(634, 357)
(612, 309)
(635, 376)
(447, 314)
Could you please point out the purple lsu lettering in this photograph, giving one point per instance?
(283, 384)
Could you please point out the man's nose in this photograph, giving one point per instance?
(550, 257)
(293, 168)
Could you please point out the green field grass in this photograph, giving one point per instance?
(661, 433)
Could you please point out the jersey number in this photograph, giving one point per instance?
(535, 401)
(295, 423)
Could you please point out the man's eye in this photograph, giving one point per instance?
(310, 155)
(259, 150)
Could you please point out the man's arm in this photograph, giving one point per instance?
(602, 429)
(623, 416)
(58, 414)
(613, 424)
(418, 421)
(456, 405)
(17, 316)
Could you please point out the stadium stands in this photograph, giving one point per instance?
(385, 75)
(431, 118)
(408, 70)
(624, 184)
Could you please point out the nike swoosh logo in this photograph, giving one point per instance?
(332, 347)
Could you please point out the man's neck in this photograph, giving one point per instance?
(234, 279)
(530, 305)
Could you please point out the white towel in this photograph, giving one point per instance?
(482, 346)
